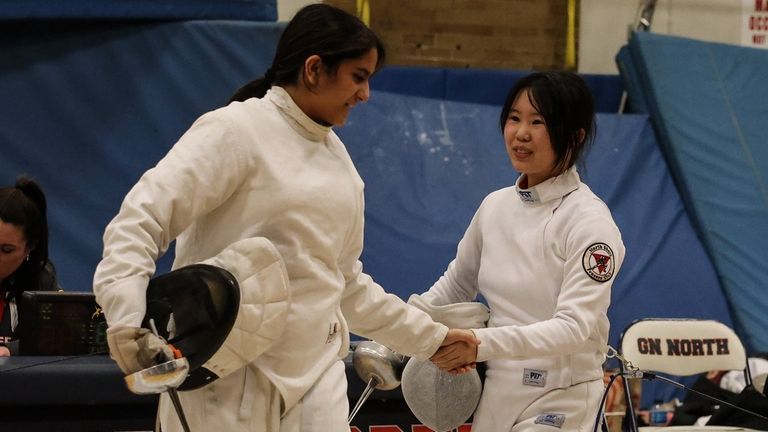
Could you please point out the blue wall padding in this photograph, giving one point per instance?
(254, 10)
(708, 105)
(635, 102)
(86, 110)
(481, 86)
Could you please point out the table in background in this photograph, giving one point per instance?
(83, 394)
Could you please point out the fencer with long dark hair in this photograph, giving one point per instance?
(266, 175)
(24, 263)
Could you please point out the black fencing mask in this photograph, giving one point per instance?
(194, 309)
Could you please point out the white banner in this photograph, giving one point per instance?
(754, 23)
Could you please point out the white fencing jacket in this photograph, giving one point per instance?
(263, 169)
(545, 259)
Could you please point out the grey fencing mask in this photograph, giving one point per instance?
(439, 400)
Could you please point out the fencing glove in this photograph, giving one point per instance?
(466, 315)
(135, 349)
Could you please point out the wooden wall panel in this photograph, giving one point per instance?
(499, 34)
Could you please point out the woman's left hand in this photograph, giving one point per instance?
(4, 351)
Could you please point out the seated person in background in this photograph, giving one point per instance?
(24, 263)
(729, 386)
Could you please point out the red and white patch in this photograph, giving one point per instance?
(598, 262)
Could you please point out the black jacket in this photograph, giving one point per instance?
(10, 290)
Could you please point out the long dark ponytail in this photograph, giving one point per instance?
(24, 205)
(316, 29)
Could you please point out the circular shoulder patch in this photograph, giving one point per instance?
(598, 262)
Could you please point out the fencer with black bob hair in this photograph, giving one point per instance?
(315, 30)
(568, 108)
(544, 253)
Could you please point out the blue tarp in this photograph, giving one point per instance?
(86, 109)
(708, 106)
(254, 10)
(481, 86)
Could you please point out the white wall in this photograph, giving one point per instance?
(604, 25)
(286, 8)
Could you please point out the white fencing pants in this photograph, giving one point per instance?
(246, 401)
(324, 408)
(572, 409)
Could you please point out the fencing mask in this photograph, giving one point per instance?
(439, 400)
(222, 313)
(194, 308)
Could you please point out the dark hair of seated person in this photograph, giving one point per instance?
(24, 205)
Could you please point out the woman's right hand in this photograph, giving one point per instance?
(136, 348)
(458, 353)
(4, 351)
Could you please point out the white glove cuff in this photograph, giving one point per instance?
(465, 315)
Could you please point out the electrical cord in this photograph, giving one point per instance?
(599, 418)
(630, 371)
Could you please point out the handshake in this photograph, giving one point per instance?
(458, 352)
